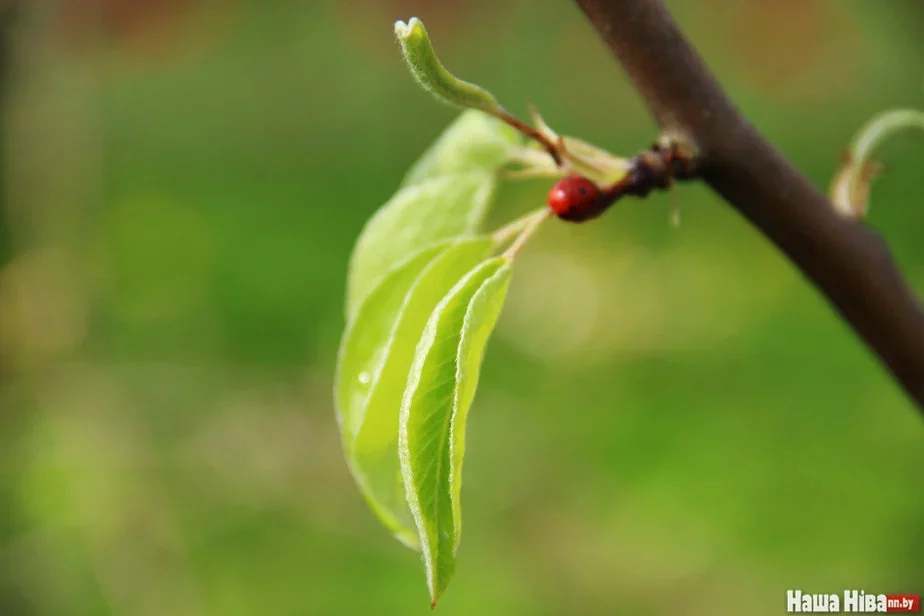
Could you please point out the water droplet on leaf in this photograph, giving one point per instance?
(675, 218)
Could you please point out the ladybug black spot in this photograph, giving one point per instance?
(582, 190)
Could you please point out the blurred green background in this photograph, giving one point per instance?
(670, 421)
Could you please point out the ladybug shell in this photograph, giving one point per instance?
(576, 199)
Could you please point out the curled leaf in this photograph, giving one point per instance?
(849, 190)
(432, 75)
(375, 359)
(440, 390)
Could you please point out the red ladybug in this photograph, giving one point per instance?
(576, 199)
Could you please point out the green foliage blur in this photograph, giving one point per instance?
(669, 421)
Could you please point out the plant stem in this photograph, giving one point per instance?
(529, 228)
(875, 132)
(849, 263)
(513, 229)
(532, 133)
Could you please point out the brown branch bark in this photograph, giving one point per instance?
(849, 263)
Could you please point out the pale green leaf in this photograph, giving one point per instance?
(439, 392)
(436, 209)
(849, 191)
(432, 75)
(474, 140)
(881, 127)
(364, 343)
(375, 358)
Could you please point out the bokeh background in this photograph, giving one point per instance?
(670, 421)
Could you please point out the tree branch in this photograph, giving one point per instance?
(849, 263)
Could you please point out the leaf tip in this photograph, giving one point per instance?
(435, 595)
(404, 30)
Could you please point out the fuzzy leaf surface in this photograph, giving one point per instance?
(375, 359)
(473, 141)
(440, 391)
(417, 216)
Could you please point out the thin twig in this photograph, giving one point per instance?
(533, 223)
(849, 263)
(515, 228)
(532, 133)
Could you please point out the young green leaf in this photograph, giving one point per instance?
(436, 209)
(474, 140)
(363, 347)
(883, 126)
(440, 390)
(375, 358)
(432, 75)
(849, 190)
